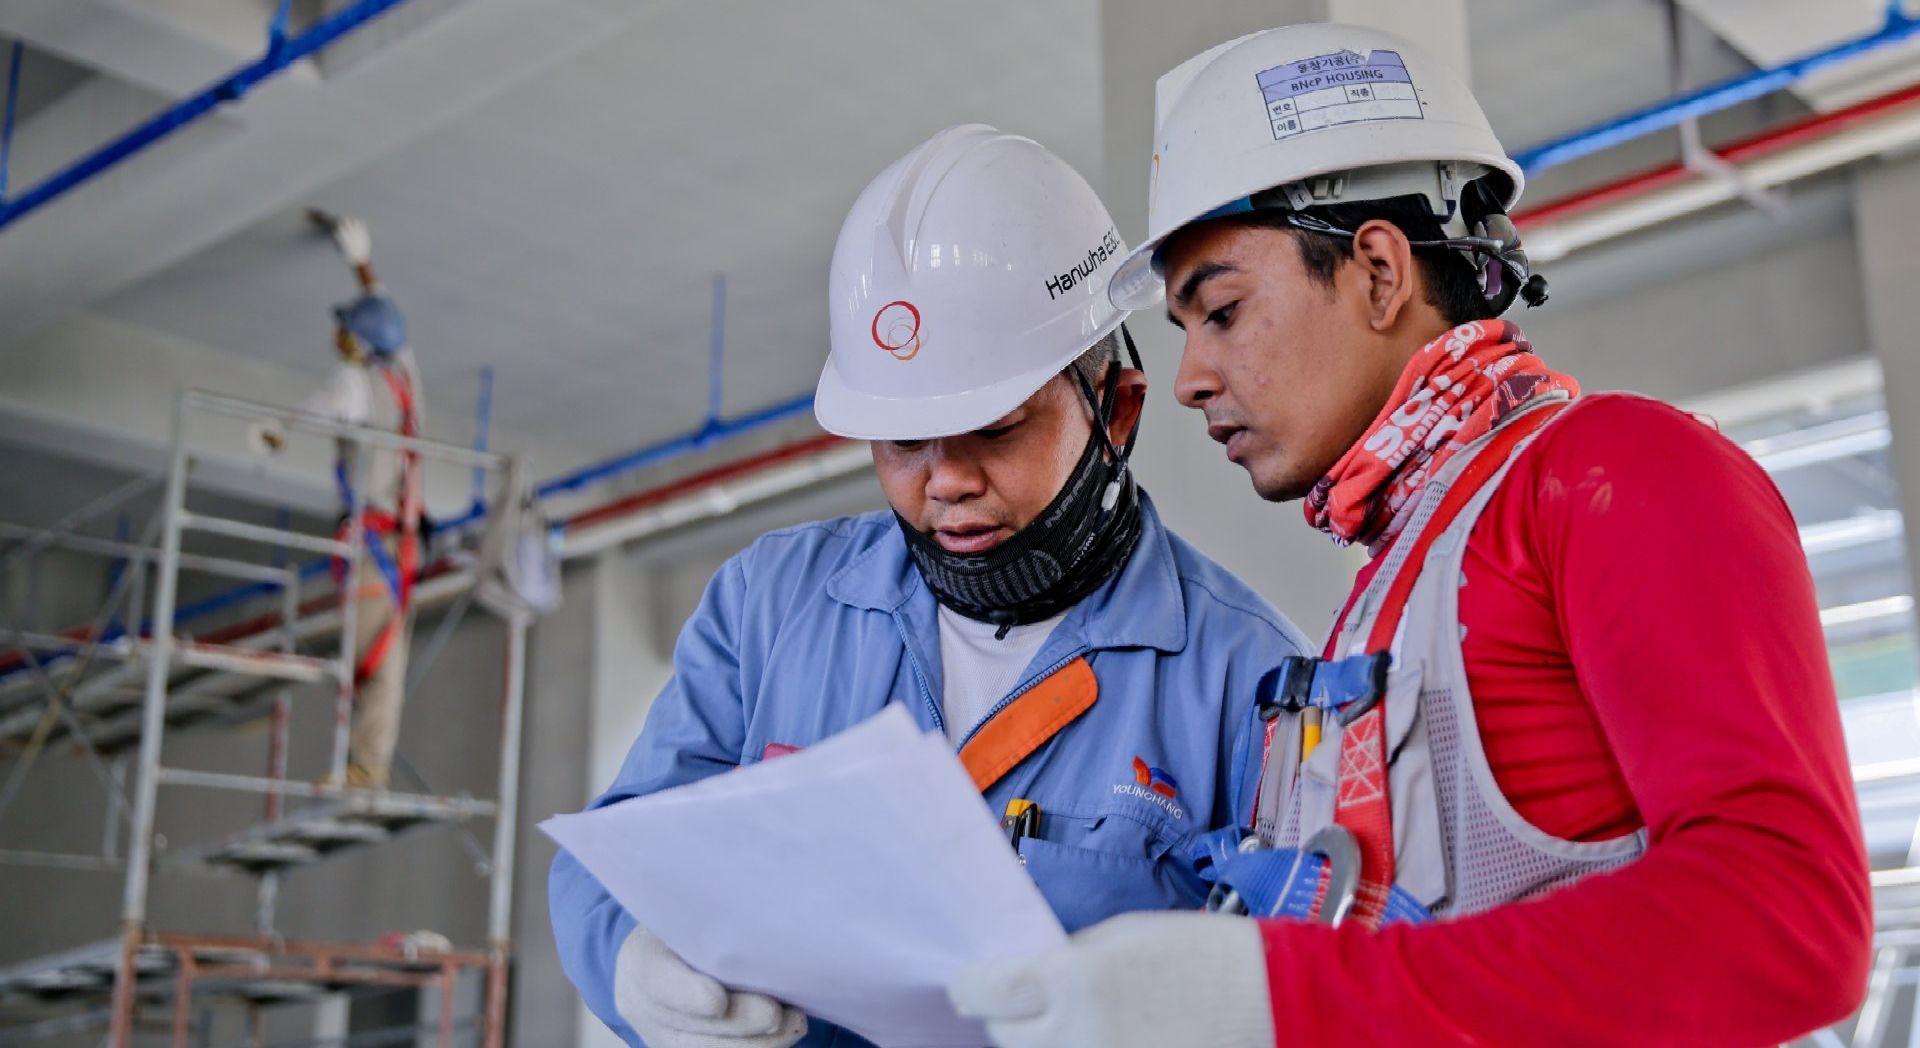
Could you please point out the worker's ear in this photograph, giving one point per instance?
(1129, 399)
(1385, 260)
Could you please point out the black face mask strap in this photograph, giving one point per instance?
(1103, 408)
(1133, 353)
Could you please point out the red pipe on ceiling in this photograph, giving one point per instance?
(1747, 148)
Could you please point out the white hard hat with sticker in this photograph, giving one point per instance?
(1332, 113)
(968, 273)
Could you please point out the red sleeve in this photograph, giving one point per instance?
(1690, 618)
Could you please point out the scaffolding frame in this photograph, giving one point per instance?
(1896, 966)
(265, 659)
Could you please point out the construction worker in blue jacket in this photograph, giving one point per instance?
(1022, 595)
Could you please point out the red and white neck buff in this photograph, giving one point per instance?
(1455, 390)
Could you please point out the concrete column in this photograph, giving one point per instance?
(1887, 224)
(545, 1009)
(616, 669)
(632, 659)
(1202, 496)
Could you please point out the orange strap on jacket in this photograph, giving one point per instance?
(1029, 721)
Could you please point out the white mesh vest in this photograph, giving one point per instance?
(387, 471)
(1459, 846)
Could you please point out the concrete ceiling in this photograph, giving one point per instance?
(552, 184)
(566, 234)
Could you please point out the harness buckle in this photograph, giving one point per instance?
(1348, 687)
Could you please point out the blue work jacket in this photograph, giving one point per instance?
(815, 628)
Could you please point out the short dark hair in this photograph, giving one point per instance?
(1453, 287)
(1100, 356)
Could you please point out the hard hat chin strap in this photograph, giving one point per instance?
(1103, 408)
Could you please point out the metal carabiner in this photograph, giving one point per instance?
(1342, 853)
(1336, 846)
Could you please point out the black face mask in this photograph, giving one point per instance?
(1077, 543)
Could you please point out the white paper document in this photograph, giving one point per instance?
(853, 879)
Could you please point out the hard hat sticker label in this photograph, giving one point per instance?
(1340, 88)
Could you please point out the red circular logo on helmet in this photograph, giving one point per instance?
(896, 329)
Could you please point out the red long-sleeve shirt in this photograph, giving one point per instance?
(1643, 648)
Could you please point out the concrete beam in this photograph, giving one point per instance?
(291, 138)
(170, 48)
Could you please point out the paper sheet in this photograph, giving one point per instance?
(853, 879)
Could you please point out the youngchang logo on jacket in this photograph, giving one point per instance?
(1098, 255)
(1153, 785)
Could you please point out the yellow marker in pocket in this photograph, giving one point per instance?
(1309, 731)
(1021, 819)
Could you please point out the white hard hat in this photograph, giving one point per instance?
(969, 273)
(1308, 109)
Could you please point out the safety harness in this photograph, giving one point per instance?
(399, 570)
(1346, 870)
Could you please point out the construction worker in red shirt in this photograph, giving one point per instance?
(1570, 770)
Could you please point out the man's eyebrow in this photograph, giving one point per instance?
(1200, 275)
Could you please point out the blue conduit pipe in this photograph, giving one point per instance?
(277, 29)
(1897, 28)
(714, 431)
(187, 110)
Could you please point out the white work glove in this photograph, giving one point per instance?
(672, 1006)
(351, 236)
(1139, 980)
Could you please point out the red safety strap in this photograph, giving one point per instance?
(375, 524)
(1361, 800)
